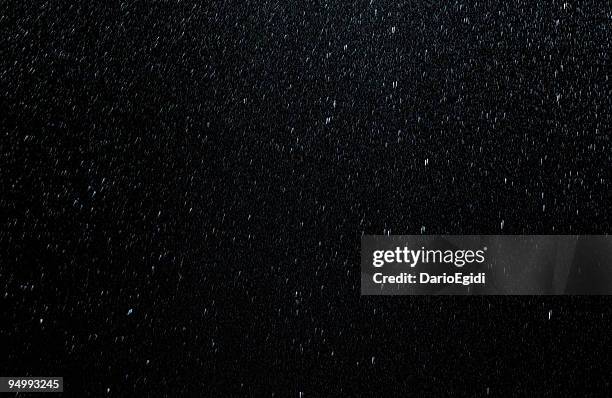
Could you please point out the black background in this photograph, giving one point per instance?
(184, 187)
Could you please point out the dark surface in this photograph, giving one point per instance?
(183, 201)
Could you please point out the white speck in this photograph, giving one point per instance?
(549, 314)
(393, 29)
(502, 224)
(41, 320)
(373, 360)
(130, 312)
